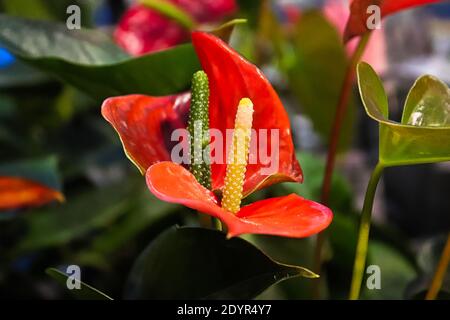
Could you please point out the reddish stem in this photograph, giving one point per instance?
(341, 111)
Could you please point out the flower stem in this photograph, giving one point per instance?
(339, 116)
(363, 237)
(441, 270)
(341, 110)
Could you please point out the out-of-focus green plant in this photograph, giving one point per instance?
(314, 59)
(84, 292)
(89, 60)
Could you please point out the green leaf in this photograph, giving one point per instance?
(86, 292)
(88, 60)
(171, 11)
(53, 10)
(317, 73)
(44, 171)
(38, 39)
(194, 263)
(289, 251)
(396, 272)
(28, 9)
(423, 134)
(147, 211)
(427, 104)
(338, 254)
(51, 227)
(225, 30)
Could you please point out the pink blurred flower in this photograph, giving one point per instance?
(142, 30)
(207, 10)
(337, 12)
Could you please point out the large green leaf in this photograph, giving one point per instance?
(86, 292)
(423, 135)
(28, 9)
(317, 74)
(88, 60)
(289, 251)
(146, 211)
(195, 263)
(54, 10)
(55, 226)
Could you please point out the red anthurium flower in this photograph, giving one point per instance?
(357, 23)
(19, 193)
(142, 121)
(142, 30)
(289, 216)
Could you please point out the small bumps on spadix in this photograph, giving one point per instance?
(198, 127)
(237, 157)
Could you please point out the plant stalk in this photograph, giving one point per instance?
(363, 237)
(341, 110)
(441, 270)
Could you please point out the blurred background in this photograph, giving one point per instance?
(53, 133)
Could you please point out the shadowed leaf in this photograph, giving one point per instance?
(194, 263)
(86, 292)
(88, 60)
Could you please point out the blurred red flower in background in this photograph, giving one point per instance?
(18, 193)
(142, 30)
(337, 13)
(357, 22)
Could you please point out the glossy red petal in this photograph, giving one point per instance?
(143, 30)
(145, 124)
(19, 193)
(171, 182)
(357, 22)
(290, 216)
(232, 78)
